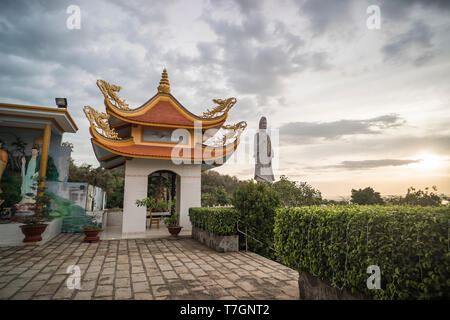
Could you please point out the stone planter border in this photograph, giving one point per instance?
(313, 288)
(218, 243)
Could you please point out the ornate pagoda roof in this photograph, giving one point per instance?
(121, 127)
(162, 110)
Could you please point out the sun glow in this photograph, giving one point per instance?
(427, 162)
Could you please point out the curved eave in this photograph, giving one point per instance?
(111, 154)
(126, 114)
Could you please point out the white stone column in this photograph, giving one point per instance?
(190, 195)
(134, 217)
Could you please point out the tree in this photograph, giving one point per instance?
(366, 196)
(221, 196)
(212, 179)
(419, 197)
(295, 194)
(208, 200)
(422, 198)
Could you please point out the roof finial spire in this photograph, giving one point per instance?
(164, 85)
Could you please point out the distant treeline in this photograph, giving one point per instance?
(217, 190)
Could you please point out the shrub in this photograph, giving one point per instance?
(338, 243)
(256, 203)
(295, 194)
(218, 221)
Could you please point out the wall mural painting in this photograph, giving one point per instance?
(19, 171)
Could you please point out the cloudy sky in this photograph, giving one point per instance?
(348, 106)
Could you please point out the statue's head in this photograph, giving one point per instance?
(263, 123)
(34, 151)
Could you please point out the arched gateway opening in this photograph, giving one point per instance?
(162, 188)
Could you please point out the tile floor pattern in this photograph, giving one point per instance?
(140, 269)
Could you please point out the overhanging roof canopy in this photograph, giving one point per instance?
(22, 116)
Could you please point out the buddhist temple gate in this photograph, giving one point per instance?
(160, 135)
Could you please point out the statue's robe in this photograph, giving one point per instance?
(263, 155)
(30, 173)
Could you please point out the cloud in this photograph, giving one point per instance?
(414, 45)
(365, 164)
(370, 164)
(324, 15)
(258, 51)
(306, 132)
(253, 55)
(401, 9)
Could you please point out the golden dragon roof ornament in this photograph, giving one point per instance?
(99, 120)
(109, 91)
(230, 133)
(233, 131)
(223, 106)
(164, 85)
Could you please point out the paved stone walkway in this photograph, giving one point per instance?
(140, 269)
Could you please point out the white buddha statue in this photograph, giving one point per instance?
(263, 154)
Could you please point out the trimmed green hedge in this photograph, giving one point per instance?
(410, 245)
(218, 221)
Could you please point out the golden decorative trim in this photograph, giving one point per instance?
(223, 106)
(100, 120)
(233, 132)
(109, 92)
(164, 85)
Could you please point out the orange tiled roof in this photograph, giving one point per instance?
(163, 112)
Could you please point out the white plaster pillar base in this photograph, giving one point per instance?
(134, 217)
(190, 196)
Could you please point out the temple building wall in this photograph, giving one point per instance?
(136, 178)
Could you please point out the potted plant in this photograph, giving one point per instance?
(148, 202)
(34, 225)
(172, 224)
(151, 205)
(91, 233)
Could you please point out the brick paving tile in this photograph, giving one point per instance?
(122, 282)
(143, 296)
(140, 269)
(123, 293)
